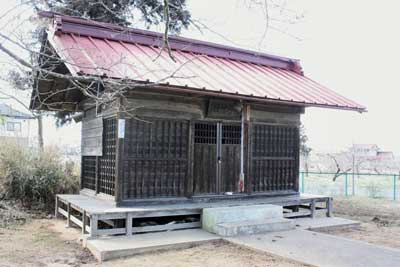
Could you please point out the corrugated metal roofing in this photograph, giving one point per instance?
(137, 60)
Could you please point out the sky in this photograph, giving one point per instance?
(349, 46)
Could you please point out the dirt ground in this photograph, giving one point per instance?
(26, 241)
(380, 220)
(46, 242)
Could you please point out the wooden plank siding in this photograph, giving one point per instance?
(183, 147)
(155, 160)
(92, 137)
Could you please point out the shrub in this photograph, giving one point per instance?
(35, 177)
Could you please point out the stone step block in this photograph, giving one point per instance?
(254, 227)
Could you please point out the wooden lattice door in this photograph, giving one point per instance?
(216, 158)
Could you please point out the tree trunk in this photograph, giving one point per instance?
(40, 131)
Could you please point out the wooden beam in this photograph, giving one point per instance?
(76, 221)
(63, 212)
(114, 231)
(166, 227)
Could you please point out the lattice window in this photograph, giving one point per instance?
(107, 161)
(205, 133)
(155, 158)
(275, 158)
(89, 172)
(231, 134)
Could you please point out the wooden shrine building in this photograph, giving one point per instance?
(207, 122)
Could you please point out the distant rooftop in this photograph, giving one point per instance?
(8, 111)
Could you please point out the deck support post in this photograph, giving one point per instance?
(329, 207)
(94, 222)
(128, 224)
(69, 215)
(84, 222)
(56, 208)
(312, 208)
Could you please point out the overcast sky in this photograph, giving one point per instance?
(352, 47)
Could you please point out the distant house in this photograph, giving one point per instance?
(14, 125)
(370, 151)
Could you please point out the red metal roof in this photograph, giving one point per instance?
(103, 49)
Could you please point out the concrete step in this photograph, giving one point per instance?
(214, 216)
(250, 227)
(108, 248)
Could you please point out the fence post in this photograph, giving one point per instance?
(302, 182)
(394, 187)
(346, 183)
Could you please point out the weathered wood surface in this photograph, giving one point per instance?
(92, 136)
(93, 205)
(98, 210)
(155, 158)
(274, 155)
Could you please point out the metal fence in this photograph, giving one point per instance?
(351, 184)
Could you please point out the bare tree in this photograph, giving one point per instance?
(39, 62)
(33, 60)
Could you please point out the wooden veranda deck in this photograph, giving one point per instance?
(86, 212)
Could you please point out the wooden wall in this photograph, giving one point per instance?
(159, 158)
(92, 134)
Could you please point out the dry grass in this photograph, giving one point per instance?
(380, 220)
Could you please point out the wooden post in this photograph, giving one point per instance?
(189, 180)
(119, 154)
(93, 225)
(128, 224)
(69, 215)
(97, 175)
(84, 222)
(312, 208)
(329, 207)
(56, 208)
(247, 138)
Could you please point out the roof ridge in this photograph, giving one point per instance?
(75, 25)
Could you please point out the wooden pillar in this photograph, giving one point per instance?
(97, 175)
(69, 215)
(247, 148)
(189, 180)
(56, 208)
(84, 222)
(312, 208)
(119, 153)
(329, 207)
(94, 221)
(128, 224)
